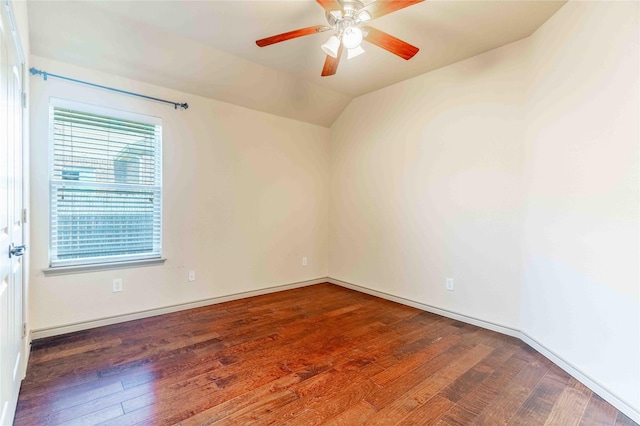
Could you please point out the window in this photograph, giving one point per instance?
(105, 185)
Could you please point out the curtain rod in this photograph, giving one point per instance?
(45, 74)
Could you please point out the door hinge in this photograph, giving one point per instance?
(24, 100)
(24, 329)
(24, 215)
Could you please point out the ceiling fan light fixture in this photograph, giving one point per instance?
(364, 16)
(356, 51)
(344, 18)
(331, 46)
(352, 37)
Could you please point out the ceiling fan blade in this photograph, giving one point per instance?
(383, 7)
(390, 43)
(330, 5)
(331, 63)
(292, 34)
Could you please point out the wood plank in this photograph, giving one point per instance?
(569, 407)
(437, 347)
(537, 408)
(96, 417)
(245, 403)
(457, 416)
(357, 414)
(403, 405)
(598, 412)
(334, 403)
(393, 391)
(315, 393)
(473, 404)
(428, 413)
(511, 398)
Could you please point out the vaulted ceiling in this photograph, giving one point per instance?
(208, 47)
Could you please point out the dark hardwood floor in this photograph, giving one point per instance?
(319, 354)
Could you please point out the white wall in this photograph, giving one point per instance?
(516, 173)
(425, 184)
(581, 253)
(245, 196)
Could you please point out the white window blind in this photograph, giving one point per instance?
(105, 186)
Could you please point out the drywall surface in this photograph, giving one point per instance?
(581, 185)
(245, 197)
(516, 174)
(426, 183)
(86, 35)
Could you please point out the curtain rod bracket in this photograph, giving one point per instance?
(45, 75)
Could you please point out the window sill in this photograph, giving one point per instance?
(79, 269)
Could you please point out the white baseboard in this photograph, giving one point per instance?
(70, 328)
(585, 379)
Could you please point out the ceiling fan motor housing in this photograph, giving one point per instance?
(347, 17)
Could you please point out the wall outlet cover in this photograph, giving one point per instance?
(449, 284)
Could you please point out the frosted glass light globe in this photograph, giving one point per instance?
(352, 37)
(331, 46)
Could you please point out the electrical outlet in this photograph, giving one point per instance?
(192, 276)
(304, 261)
(450, 284)
(117, 285)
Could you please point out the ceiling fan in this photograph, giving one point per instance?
(347, 17)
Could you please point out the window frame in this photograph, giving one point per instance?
(103, 262)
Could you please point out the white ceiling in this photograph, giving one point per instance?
(208, 47)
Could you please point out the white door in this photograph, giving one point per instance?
(10, 220)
